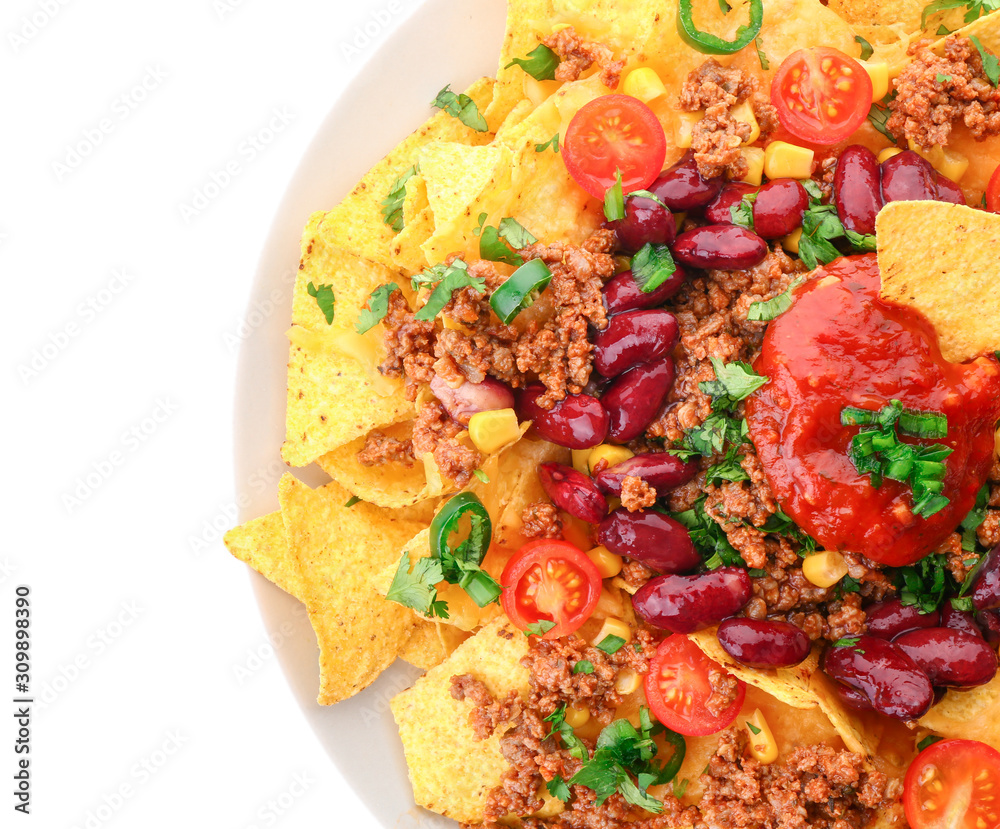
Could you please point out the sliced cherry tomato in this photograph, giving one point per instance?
(821, 95)
(550, 581)
(953, 785)
(677, 688)
(993, 192)
(614, 132)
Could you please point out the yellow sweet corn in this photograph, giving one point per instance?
(608, 564)
(613, 627)
(607, 452)
(878, 71)
(684, 133)
(888, 153)
(824, 569)
(791, 241)
(643, 83)
(762, 743)
(744, 112)
(493, 430)
(755, 164)
(784, 160)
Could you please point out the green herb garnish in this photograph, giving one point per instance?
(392, 204)
(378, 307)
(324, 299)
(540, 63)
(462, 107)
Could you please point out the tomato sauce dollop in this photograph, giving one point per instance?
(840, 345)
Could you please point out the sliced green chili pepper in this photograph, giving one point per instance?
(711, 44)
(461, 565)
(520, 289)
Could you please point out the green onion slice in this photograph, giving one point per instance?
(520, 290)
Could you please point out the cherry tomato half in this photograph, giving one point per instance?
(550, 581)
(821, 95)
(677, 688)
(953, 785)
(993, 192)
(614, 132)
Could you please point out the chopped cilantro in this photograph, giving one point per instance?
(614, 201)
(847, 642)
(820, 226)
(583, 666)
(652, 266)
(610, 644)
(734, 382)
(741, 213)
(770, 309)
(417, 589)
(765, 64)
(392, 204)
(449, 279)
(378, 307)
(925, 583)
(866, 47)
(540, 63)
(753, 729)
(708, 537)
(557, 788)
(539, 628)
(354, 499)
(492, 240)
(552, 143)
(928, 741)
(878, 115)
(324, 299)
(646, 194)
(863, 242)
(991, 65)
(963, 603)
(482, 476)
(462, 107)
(974, 9)
(975, 517)
(680, 786)
(574, 745)
(941, 78)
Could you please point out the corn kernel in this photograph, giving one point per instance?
(878, 71)
(577, 715)
(824, 569)
(627, 682)
(946, 162)
(643, 83)
(755, 164)
(888, 153)
(791, 241)
(609, 605)
(551, 805)
(684, 132)
(762, 743)
(580, 457)
(558, 27)
(744, 113)
(784, 160)
(613, 627)
(538, 91)
(493, 430)
(608, 453)
(608, 564)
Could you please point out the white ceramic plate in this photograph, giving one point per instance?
(441, 42)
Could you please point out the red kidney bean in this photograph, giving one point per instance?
(719, 212)
(852, 697)
(857, 188)
(573, 492)
(907, 177)
(959, 620)
(632, 338)
(951, 658)
(948, 190)
(989, 624)
(728, 247)
(645, 222)
(764, 643)
(655, 539)
(684, 604)
(682, 188)
(779, 207)
(888, 619)
(893, 682)
(660, 470)
(986, 584)
(622, 293)
(469, 398)
(635, 398)
(579, 421)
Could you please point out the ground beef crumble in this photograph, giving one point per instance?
(934, 93)
(381, 448)
(636, 493)
(434, 431)
(717, 137)
(815, 787)
(541, 520)
(578, 55)
(725, 688)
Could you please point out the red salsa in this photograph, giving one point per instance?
(839, 345)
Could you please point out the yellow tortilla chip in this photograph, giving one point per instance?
(333, 397)
(968, 715)
(527, 22)
(451, 770)
(261, 543)
(358, 224)
(431, 643)
(941, 259)
(339, 550)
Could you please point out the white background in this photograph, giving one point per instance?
(125, 283)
